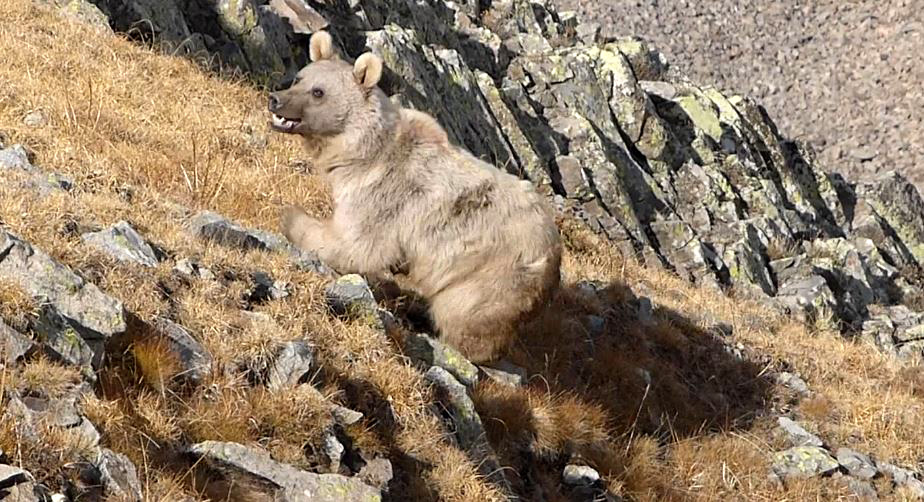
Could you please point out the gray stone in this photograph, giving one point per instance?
(87, 309)
(333, 449)
(54, 412)
(579, 475)
(904, 478)
(351, 297)
(797, 435)
(282, 481)
(123, 243)
(61, 340)
(803, 462)
(215, 228)
(345, 416)
(195, 362)
(857, 464)
(193, 269)
(293, 362)
(119, 476)
(431, 352)
(13, 345)
(11, 476)
(16, 157)
(468, 429)
(506, 373)
(793, 382)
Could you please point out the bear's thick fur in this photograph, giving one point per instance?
(479, 244)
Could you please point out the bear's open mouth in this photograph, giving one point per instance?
(283, 124)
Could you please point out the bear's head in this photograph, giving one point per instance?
(327, 94)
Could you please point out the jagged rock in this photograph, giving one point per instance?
(54, 412)
(293, 362)
(11, 476)
(76, 313)
(345, 416)
(902, 477)
(279, 480)
(195, 362)
(579, 475)
(118, 476)
(895, 200)
(797, 435)
(467, 426)
(808, 298)
(124, 244)
(431, 352)
(213, 227)
(333, 449)
(803, 462)
(193, 269)
(857, 464)
(13, 345)
(895, 329)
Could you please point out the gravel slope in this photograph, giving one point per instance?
(846, 76)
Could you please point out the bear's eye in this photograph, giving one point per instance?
(317, 93)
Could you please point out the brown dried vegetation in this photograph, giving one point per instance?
(661, 409)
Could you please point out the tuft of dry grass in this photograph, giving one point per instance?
(662, 410)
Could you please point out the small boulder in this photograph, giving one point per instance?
(192, 268)
(579, 475)
(350, 295)
(119, 476)
(432, 352)
(793, 382)
(857, 464)
(11, 476)
(194, 360)
(213, 227)
(282, 482)
(292, 362)
(124, 243)
(797, 435)
(803, 462)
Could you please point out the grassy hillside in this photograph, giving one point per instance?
(662, 408)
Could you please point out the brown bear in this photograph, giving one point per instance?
(478, 244)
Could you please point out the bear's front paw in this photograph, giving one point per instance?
(297, 226)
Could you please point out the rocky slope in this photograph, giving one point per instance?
(675, 174)
(840, 75)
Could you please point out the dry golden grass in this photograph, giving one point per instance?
(661, 410)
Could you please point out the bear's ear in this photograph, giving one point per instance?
(367, 70)
(321, 46)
